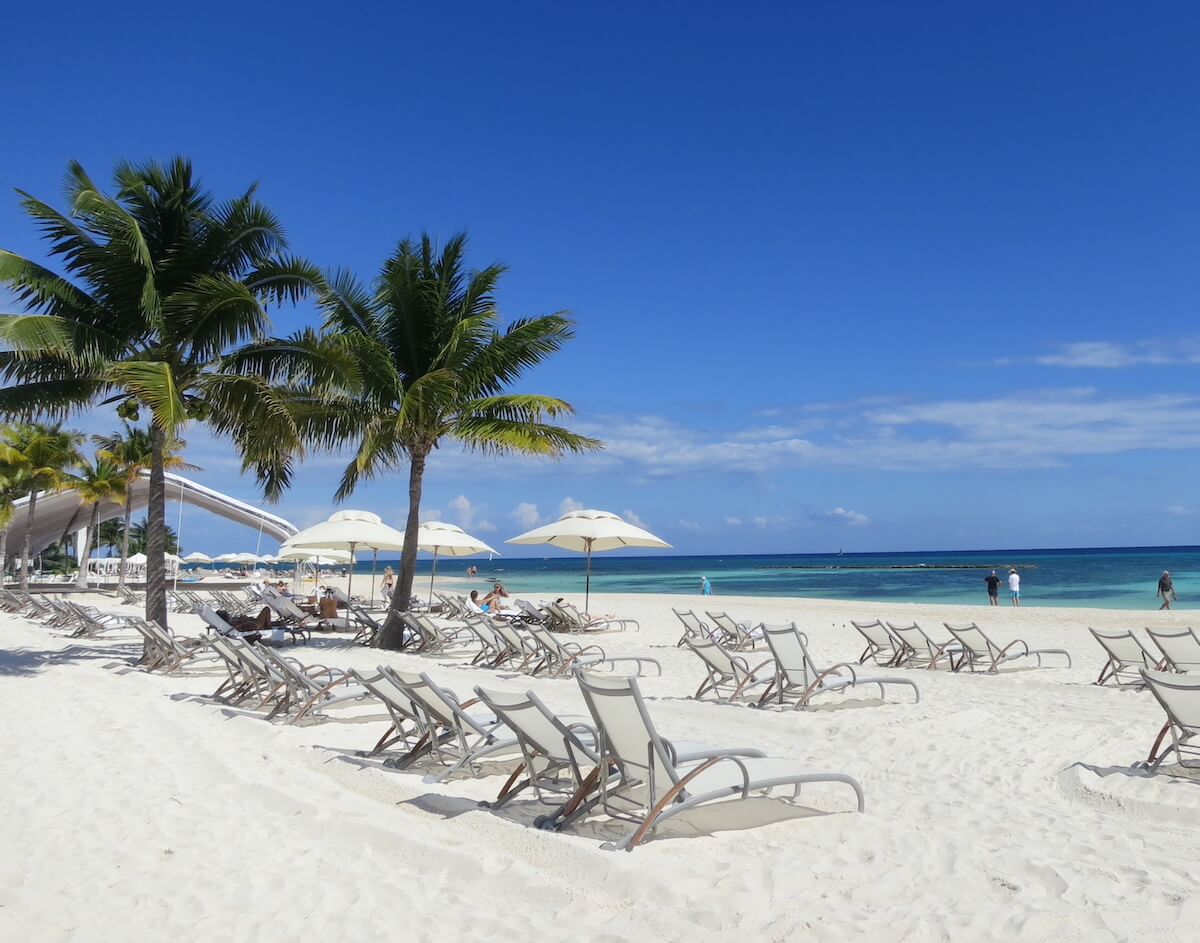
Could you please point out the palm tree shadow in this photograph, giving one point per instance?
(27, 662)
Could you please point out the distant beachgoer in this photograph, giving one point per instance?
(389, 580)
(1014, 586)
(705, 586)
(1166, 589)
(993, 586)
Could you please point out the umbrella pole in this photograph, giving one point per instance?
(374, 560)
(350, 582)
(432, 576)
(587, 592)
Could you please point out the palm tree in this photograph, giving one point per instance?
(418, 359)
(133, 450)
(98, 481)
(109, 534)
(160, 282)
(14, 483)
(44, 454)
(139, 538)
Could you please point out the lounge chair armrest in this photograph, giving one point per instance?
(638, 661)
(836, 669)
(1021, 642)
(749, 753)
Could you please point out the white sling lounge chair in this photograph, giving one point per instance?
(693, 627)
(560, 658)
(559, 758)
(1127, 656)
(733, 634)
(1179, 696)
(576, 621)
(883, 648)
(310, 689)
(454, 736)
(1181, 650)
(798, 679)
(654, 781)
(919, 650)
(979, 650)
(730, 676)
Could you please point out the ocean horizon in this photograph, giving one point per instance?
(1101, 577)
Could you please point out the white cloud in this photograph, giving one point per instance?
(632, 518)
(569, 504)
(1111, 355)
(733, 521)
(526, 515)
(769, 520)
(485, 527)
(428, 514)
(1178, 510)
(841, 515)
(687, 524)
(464, 511)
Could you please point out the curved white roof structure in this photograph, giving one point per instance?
(62, 513)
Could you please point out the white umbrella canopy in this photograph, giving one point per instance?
(590, 532)
(438, 537)
(315, 554)
(226, 558)
(138, 559)
(197, 557)
(351, 530)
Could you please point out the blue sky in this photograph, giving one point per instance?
(872, 277)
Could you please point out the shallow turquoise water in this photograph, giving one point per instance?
(1119, 578)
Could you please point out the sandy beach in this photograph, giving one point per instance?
(998, 808)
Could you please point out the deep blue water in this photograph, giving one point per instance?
(1117, 578)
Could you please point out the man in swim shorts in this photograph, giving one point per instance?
(993, 586)
(1014, 586)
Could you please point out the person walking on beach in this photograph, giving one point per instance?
(389, 581)
(1166, 589)
(993, 585)
(1014, 586)
(705, 586)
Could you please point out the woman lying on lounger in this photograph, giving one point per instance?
(251, 627)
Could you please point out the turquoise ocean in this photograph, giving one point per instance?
(1110, 578)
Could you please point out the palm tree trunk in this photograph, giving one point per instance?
(156, 531)
(28, 541)
(3, 554)
(125, 541)
(392, 635)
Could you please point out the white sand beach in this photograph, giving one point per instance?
(998, 808)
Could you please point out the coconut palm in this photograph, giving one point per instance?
(160, 282)
(139, 538)
(44, 454)
(109, 534)
(98, 481)
(421, 358)
(133, 451)
(13, 484)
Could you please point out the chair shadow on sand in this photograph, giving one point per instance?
(701, 822)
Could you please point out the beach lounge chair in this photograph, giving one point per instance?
(531, 613)
(1127, 656)
(1181, 650)
(883, 648)
(798, 679)
(921, 650)
(733, 634)
(693, 627)
(560, 658)
(165, 651)
(456, 737)
(310, 689)
(979, 650)
(558, 757)
(1179, 696)
(407, 726)
(576, 621)
(292, 614)
(655, 780)
(129, 597)
(730, 676)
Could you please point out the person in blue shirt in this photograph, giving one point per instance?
(705, 586)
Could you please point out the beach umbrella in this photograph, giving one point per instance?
(314, 555)
(350, 530)
(438, 537)
(197, 557)
(244, 558)
(590, 532)
(138, 559)
(226, 558)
